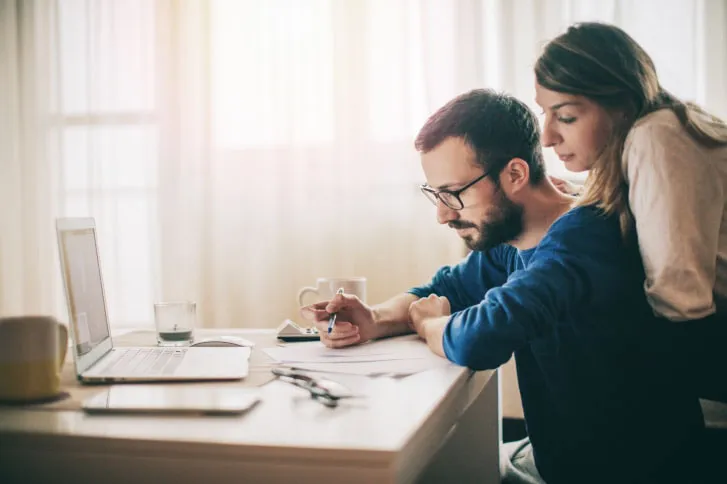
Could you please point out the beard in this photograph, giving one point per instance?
(504, 224)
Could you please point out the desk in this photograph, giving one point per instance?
(437, 426)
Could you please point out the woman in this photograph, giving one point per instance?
(658, 162)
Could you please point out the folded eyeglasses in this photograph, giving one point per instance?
(327, 392)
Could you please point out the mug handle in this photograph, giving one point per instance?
(63, 342)
(303, 291)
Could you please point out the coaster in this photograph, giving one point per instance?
(21, 403)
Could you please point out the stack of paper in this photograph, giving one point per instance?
(403, 355)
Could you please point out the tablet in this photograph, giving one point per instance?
(172, 399)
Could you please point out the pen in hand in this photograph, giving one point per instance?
(332, 319)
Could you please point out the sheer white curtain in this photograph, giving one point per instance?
(304, 161)
(232, 151)
(27, 164)
(81, 129)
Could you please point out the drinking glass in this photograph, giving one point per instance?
(175, 322)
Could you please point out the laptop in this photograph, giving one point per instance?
(96, 358)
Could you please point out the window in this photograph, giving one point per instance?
(105, 121)
(272, 73)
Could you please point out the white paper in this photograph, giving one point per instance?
(392, 368)
(400, 356)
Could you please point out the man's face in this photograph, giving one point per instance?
(488, 218)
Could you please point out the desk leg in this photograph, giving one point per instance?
(472, 450)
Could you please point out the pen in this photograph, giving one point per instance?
(332, 319)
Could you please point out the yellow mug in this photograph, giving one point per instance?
(32, 352)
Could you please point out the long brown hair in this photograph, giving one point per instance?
(603, 63)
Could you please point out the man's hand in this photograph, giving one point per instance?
(428, 318)
(430, 307)
(354, 321)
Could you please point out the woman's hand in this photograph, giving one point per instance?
(566, 187)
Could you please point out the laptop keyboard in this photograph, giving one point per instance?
(146, 361)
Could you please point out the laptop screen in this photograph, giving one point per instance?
(85, 290)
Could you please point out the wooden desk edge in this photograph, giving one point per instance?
(423, 442)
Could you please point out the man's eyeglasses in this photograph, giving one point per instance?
(328, 392)
(450, 198)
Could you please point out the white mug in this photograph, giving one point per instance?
(326, 288)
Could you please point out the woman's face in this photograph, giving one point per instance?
(575, 127)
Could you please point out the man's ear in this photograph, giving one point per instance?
(516, 175)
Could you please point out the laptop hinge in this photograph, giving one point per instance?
(108, 352)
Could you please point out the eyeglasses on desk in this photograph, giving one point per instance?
(327, 392)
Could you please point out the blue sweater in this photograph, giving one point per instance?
(600, 388)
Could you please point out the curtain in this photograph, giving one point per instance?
(28, 166)
(233, 151)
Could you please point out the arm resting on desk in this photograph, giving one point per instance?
(392, 317)
(432, 331)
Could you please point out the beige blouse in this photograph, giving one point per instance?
(678, 194)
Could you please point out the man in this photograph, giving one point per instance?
(558, 287)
